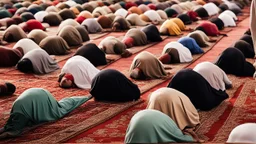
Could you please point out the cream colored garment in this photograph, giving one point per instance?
(71, 3)
(244, 133)
(162, 14)
(215, 76)
(109, 43)
(40, 15)
(82, 71)
(149, 64)
(203, 35)
(230, 13)
(153, 15)
(26, 45)
(176, 105)
(143, 7)
(227, 20)
(177, 8)
(184, 53)
(138, 36)
(66, 22)
(253, 23)
(99, 10)
(37, 35)
(121, 12)
(86, 14)
(211, 8)
(134, 19)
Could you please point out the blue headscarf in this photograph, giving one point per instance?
(191, 44)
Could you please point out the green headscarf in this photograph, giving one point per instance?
(152, 126)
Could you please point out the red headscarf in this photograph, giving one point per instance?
(129, 5)
(193, 15)
(80, 19)
(128, 42)
(12, 10)
(55, 2)
(152, 6)
(209, 28)
(33, 24)
(69, 76)
(165, 59)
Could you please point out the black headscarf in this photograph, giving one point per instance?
(66, 14)
(232, 61)
(53, 19)
(202, 12)
(91, 52)
(197, 89)
(27, 16)
(11, 88)
(223, 7)
(170, 12)
(88, 7)
(152, 33)
(245, 48)
(83, 32)
(25, 65)
(185, 18)
(111, 85)
(236, 11)
(218, 22)
(248, 39)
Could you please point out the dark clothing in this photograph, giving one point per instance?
(152, 33)
(245, 48)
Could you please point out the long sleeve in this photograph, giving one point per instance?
(253, 23)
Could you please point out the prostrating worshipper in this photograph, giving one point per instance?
(209, 28)
(71, 35)
(104, 21)
(21, 10)
(53, 19)
(66, 14)
(35, 106)
(211, 9)
(112, 45)
(70, 22)
(152, 126)
(6, 89)
(27, 16)
(177, 8)
(135, 37)
(175, 52)
(77, 72)
(98, 11)
(253, 24)
(145, 66)
(52, 9)
(191, 44)
(180, 24)
(83, 32)
(143, 7)
(120, 23)
(185, 18)
(197, 89)
(247, 38)
(152, 6)
(200, 40)
(215, 76)
(135, 20)
(92, 25)
(227, 20)
(244, 133)
(121, 12)
(37, 61)
(111, 85)
(245, 48)
(88, 7)
(26, 45)
(162, 14)
(170, 28)
(152, 33)
(176, 105)
(135, 9)
(192, 15)
(40, 15)
(37, 35)
(9, 57)
(232, 61)
(86, 14)
(223, 7)
(13, 34)
(153, 16)
(55, 45)
(31, 25)
(145, 18)
(91, 52)
(115, 7)
(202, 13)
(75, 10)
(218, 22)
(5, 13)
(230, 13)
(171, 12)
(62, 6)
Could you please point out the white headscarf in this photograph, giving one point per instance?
(227, 20)
(229, 12)
(26, 45)
(244, 133)
(211, 9)
(184, 53)
(122, 12)
(153, 15)
(82, 71)
(40, 15)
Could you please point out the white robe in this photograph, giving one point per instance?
(184, 53)
(40, 15)
(121, 12)
(82, 71)
(66, 22)
(211, 9)
(244, 133)
(229, 12)
(26, 45)
(227, 20)
(216, 77)
(153, 15)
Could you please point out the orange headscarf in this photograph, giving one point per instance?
(75, 10)
(201, 2)
(86, 14)
(135, 9)
(145, 18)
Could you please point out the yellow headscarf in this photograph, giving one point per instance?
(173, 28)
(179, 23)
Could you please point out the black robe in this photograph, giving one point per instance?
(247, 38)
(184, 18)
(218, 22)
(111, 85)
(202, 12)
(245, 48)
(152, 33)
(197, 89)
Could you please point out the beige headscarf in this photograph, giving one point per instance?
(54, 45)
(66, 22)
(13, 34)
(176, 105)
(37, 35)
(149, 64)
(134, 19)
(138, 36)
(71, 35)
